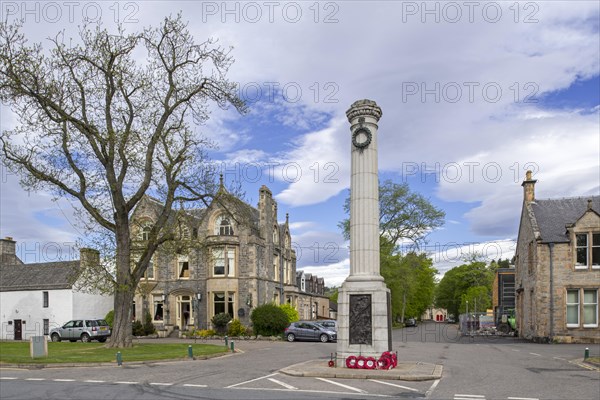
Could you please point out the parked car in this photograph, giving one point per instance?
(328, 323)
(410, 322)
(304, 330)
(85, 330)
(450, 320)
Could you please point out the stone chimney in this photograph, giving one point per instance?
(265, 210)
(89, 257)
(8, 246)
(528, 188)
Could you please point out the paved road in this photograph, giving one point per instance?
(474, 369)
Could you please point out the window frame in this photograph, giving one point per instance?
(222, 229)
(158, 301)
(595, 305)
(183, 261)
(579, 265)
(228, 260)
(591, 248)
(576, 304)
(595, 261)
(45, 299)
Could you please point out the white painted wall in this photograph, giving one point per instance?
(86, 305)
(63, 305)
(28, 307)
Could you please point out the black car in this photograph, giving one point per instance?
(410, 322)
(304, 330)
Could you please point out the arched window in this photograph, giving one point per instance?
(223, 226)
(275, 235)
(146, 232)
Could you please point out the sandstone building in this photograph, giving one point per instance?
(233, 257)
(558, 268)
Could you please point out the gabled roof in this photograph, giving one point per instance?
(553, 216)
(39, 276)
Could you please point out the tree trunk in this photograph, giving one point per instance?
(124, 291)
(403, 306)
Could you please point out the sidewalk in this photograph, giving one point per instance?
(405, 371)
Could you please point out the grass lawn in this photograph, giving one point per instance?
(67, 352)
(594, 360)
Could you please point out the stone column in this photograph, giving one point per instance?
(364, 327)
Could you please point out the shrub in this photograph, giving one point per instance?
(110, 318)
(220, 321)
(291, 312)
(203, 333)
(148, 325)
(137, 328)
(236, 328)
(269, 320)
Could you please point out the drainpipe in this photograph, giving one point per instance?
(551, 247)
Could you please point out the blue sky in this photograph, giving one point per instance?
(471, 99)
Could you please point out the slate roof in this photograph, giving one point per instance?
(553, 215)
(39, 276)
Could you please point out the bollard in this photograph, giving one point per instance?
(119, 359)
(226, 341)
(586, 354)
(232, 347)
(190, 352)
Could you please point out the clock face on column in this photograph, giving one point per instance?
(361, 138)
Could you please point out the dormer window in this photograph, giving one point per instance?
(146, 232)
(223, 226)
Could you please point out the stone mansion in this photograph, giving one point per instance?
(241, 257)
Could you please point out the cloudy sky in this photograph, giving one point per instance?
(473, 94)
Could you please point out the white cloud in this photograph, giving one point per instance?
(332, 274)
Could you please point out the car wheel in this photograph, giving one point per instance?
(324, 338)
(102, 339)
(85, 338)
(55, 337)
(291, 337)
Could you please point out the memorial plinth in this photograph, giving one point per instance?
(364, 326)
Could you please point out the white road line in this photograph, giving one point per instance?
(94, 381)
(8, 378)
(193, 385)
(285, 385)
(393, 384)
(559, 358)
(63, 380)
(35, 379)
(251, 380)
(342, 385)
(536, 354)
(127, 383)
(432, 388)
(319, 391)
(469, 396)
(160, 384)
(522, 398)
(515, 350)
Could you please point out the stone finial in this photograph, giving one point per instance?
(221, 183)
(363, 107)
(287, 218)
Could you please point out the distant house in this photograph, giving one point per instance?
(34, 298)
(558, 268)
(314, 304)
(435, 314)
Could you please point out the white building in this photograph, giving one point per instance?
(35, 298)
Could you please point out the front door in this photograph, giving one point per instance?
(18, 329)
(184, 312)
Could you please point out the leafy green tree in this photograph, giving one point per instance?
(109, 120)
(478, 297)
(220, 321)
(332, 293)
(457, 282)
(109, 318)
(402, 214)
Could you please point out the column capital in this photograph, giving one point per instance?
(362, 108)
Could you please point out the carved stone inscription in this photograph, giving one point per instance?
(360, 319)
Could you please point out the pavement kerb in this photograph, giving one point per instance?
(583, 364)
(407, 371)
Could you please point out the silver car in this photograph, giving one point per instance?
(304, 330)
(85, 330)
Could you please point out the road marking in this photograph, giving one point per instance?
(63, 380)
(522, 398)
(536, 354)
(559, 358)
(251, 380)
(94, 381)
(285, 385)
(193, 385)
(127, 382)
(515, 350)
(7, 378)
(319, 391)
(432, 388)
(160, 384)
(35, 379)
(342, 385)
(468, 396)
(393, 384)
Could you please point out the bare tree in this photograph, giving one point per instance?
(107, 121)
